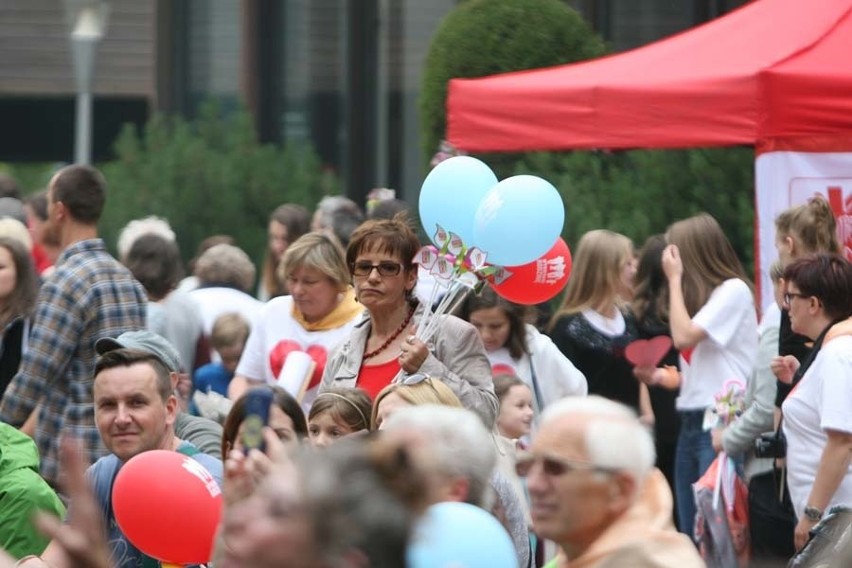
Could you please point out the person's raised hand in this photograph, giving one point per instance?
(81, 541)
(672, 263)
(784, 367)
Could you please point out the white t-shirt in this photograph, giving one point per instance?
(728, 352)
(556, 375)
(822, 400)
(215, 301)
(275, 334)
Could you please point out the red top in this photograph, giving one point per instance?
(373, 378)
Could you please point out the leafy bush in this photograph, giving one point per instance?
(483, 37)
(206, 177)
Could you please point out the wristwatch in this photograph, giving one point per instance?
(813, 514)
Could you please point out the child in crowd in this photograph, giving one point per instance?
(228, 338)
(514, 420)
(338, 412)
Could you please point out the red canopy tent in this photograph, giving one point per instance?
(776, 74)
(773, 69)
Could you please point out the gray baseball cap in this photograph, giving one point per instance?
(142, 340)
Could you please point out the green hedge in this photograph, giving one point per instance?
(206, 177)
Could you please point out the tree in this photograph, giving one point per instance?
(206, 177)
(483, 37)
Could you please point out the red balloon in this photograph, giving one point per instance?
(539, 280)
(168, 506)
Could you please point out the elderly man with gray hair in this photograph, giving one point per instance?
(594, 490)
(459, 455)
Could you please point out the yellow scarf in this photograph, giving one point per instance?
(343, 313)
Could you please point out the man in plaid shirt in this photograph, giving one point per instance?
(89, 296)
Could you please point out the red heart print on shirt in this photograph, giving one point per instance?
(283, 348)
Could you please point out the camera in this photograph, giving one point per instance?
(771, 445)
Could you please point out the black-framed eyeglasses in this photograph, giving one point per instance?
(790, 295)
(385, 268)
(553, 466)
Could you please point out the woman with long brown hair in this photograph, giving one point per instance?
(713, 323)
(18, 292)
(287, 223)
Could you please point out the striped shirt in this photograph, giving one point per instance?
(89, 296)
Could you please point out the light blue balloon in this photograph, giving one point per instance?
(460, 535)
(451, 193)
(519, 220)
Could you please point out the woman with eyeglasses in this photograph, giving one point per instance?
(319, 313)
(817, 414)
(382, 349)
(713, 323)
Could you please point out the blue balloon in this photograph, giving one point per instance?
(519, 220)
(459, 535)
(451, 193)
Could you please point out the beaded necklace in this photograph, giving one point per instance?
(393, 336)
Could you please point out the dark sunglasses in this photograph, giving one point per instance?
(553, 466)
(385, 268)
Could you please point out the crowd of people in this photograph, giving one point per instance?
(585, 458)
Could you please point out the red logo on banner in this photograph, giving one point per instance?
(843, 214)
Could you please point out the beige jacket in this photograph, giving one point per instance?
(644, 537)
(456, 356)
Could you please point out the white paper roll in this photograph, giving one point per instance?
(296, 372)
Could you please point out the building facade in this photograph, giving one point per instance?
(342, 75)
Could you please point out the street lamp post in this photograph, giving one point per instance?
(87, 22)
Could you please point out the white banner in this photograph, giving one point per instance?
(786, 179)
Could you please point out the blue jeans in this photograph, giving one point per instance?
(693, 456)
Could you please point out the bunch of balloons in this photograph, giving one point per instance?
(516, 222)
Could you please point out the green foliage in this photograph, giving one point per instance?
(31, 177)
(210, 176)
(483, 37)
(641, 192)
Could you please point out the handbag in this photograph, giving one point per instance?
(830, 543)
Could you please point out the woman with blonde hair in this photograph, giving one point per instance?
(802, 230)
(713, 322)
(592, 327)
(319, 313)
(415, 390)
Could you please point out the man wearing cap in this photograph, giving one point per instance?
(135, 411)
(89, 295)
(205, 434)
